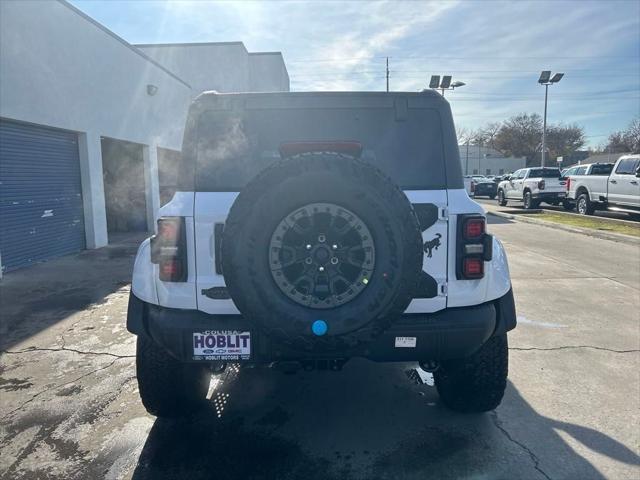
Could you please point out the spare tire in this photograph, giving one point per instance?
(321, 251)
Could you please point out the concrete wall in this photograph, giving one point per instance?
(477, 160)
(60, 68)
(267, 72)
(224, 67)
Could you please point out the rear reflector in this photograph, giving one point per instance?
(474, 249)
(473, 267)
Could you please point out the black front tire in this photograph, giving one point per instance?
(477, 383)
(502, 201)
(169, 388)
(584, 205)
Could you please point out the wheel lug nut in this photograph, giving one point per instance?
(321, 238)
(334, 261)
(321, 269)
(334, 246)
(308, 247)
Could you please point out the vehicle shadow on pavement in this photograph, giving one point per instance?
(37, 297)
(370, 421)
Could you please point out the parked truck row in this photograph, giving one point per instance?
(586, 188)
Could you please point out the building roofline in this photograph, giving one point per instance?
(190, 44)
(121, 40)
(266, 53)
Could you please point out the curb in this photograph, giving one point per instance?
(615, 237)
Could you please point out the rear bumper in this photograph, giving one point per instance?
(549, 196)
(448, 334)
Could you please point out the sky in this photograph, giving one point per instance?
(497, 48)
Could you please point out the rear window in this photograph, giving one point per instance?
(601, 169)
(544, 173)
(234, 146)
(627, 166)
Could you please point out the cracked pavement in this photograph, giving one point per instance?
(70, 409)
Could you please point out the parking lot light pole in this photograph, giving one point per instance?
(546, 80)
(445, 84)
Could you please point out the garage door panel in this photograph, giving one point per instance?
(40, 194)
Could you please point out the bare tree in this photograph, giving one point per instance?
(520, 136)
(624, 141)
(563, 140)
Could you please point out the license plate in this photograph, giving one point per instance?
(221, 345)
(406, 342)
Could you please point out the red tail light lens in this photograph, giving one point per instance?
(473, 267)
(170, 269)
(473, 228)
(568, 184)
(169, 230)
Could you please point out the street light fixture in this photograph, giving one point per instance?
(445, 84)
(546, 79)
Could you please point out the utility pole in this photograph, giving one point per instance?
(544, 123)
(466, 165)
(546, 79)
(387, 74)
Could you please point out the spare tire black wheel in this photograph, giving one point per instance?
(322, 251)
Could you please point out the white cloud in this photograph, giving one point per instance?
(497, 48)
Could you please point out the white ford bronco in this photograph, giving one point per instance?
(311, 228)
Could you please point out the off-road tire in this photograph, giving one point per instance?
(310, 179)
(169, 388)
(477, 383)
(584, 205)
(502, 200)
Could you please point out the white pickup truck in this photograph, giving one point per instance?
(533, 186)
(618, 191)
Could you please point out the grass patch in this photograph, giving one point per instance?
(595, 223)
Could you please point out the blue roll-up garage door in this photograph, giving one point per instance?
(41, 213)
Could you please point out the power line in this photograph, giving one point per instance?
(449, 57)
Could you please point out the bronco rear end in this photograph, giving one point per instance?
(311, 228)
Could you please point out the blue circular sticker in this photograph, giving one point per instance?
(319, 327)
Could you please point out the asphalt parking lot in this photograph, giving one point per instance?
(70, 407)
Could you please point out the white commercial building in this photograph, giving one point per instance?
(479, 160)
(87, 118)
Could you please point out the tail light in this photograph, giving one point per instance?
(568, 184)
(541, 185)
(168, 249)
(473, 186)
(474, 247)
